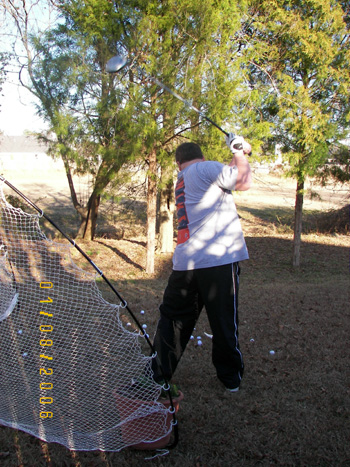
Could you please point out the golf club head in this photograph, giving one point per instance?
(115, 64)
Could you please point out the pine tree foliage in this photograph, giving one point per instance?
(187, 46)
(300, 53)
(91, 118)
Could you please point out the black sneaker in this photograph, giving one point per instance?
(233, 389)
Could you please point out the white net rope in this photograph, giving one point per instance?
(69, 371)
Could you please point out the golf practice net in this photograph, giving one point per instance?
(70, 372)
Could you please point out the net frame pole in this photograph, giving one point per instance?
(124, 303)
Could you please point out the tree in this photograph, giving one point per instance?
(299, 51)
(89, 118)
(3, 63)
(338, 167)
(186, 46)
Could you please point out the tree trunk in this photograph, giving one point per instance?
(298, 214)
(166, 210)
(83, 211)
(151, 211)
(87, 227)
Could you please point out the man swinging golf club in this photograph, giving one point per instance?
(210, 245)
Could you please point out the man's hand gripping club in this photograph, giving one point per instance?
(240, 149)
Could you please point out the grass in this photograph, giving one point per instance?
(293, 408)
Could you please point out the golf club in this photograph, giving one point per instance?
(118, 62)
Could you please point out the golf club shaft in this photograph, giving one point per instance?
(118, 62)
(173, 93)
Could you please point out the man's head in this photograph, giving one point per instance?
(187, 152)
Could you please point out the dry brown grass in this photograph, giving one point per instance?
(293, 407)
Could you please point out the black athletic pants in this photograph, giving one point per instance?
(187, 292)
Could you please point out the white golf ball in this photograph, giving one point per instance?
(142, 312)
(144, 326)
(272, 352)
(199, 342)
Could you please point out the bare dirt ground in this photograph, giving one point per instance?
(294, 403)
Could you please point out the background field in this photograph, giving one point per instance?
(293, 407)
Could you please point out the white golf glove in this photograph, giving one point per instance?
(234, 142)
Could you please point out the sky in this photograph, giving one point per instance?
(17, 111)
